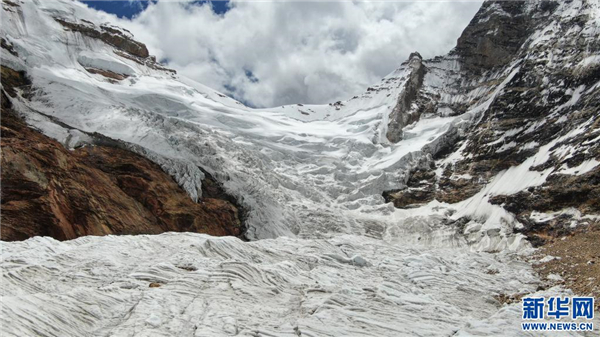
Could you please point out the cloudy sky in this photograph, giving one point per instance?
(269, 53)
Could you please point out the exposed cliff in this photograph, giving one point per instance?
(113, 36)
(534, 149)
(48, 190)
(410, 106)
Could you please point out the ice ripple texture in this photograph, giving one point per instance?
(344, 286)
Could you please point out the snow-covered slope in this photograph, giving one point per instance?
(332, 258)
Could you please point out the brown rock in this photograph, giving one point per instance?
(12, 79)
(572, 262)
(96, 190)
(110, 36)
(107, 73)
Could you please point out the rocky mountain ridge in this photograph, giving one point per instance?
(540, 132)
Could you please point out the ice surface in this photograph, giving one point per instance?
(104, 63)
(279, 287)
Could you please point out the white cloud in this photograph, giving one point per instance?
(274, 53)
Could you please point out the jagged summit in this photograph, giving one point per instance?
(535, 134)
(415, 55)
(496, 33)
(408, 109)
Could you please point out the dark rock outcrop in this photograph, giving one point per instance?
(125, 45)
(579, 194)
(424, 186)
(545, 108)
(109, 35)
(96, 190)
(404, 113)
(8, 47)
(494, 35)
(110, 75)
(11, 80)
(48, 190)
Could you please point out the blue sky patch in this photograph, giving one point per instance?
(129, 9)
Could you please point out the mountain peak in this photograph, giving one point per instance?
(415, 54)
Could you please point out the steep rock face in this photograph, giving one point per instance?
(121, 39)
(408, 108)
(110, 35)
(12, 79)
(534, 149)
(95, 190)
(493, 36)
(48, 190)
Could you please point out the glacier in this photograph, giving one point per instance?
(344, 286)
(326, 257)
